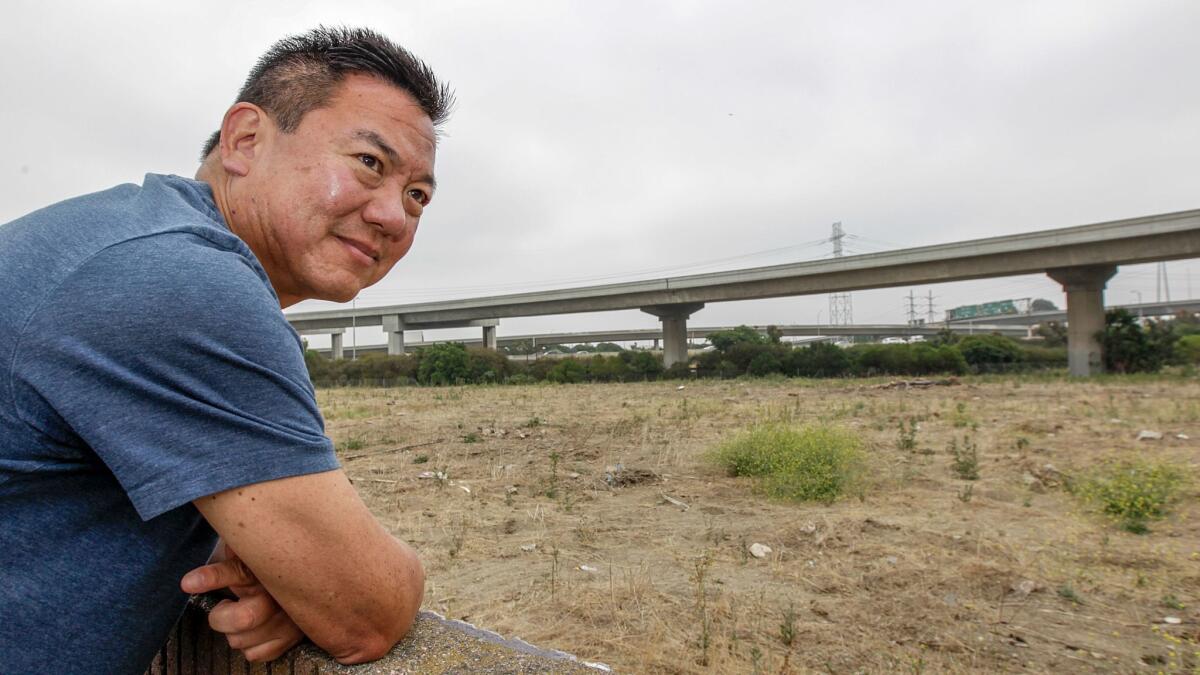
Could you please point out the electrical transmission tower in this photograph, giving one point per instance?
(929, 307)
(1160, 283)
(841, 312)
(911, 308)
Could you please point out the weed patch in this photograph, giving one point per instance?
(1132, 492)
(811, 463)
(966, 458)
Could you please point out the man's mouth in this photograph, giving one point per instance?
(364, 252)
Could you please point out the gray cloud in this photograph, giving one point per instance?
(603, 140)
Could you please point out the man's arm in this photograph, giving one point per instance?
(345, 581)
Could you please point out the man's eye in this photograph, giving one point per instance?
(370, 161)
(419, 196)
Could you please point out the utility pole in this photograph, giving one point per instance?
(841, 312)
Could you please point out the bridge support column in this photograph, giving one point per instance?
(394, 327)
(674, 321)
(1085, 315)
(489, 337)
(336, 351)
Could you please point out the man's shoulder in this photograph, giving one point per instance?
(162, 240)
(76, 228)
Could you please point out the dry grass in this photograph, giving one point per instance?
(912, 578)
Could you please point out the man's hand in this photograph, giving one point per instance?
(254, 623)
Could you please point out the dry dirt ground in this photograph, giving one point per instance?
(586, 518)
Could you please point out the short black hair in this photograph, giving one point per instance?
(300, 73)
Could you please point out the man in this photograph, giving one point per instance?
(153, 396)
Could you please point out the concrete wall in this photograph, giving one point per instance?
(435, 645)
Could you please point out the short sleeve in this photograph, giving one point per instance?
(169, 358)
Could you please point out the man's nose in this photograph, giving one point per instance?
(386, 211)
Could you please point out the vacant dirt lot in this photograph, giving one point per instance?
(586, 518)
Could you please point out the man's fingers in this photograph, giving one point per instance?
(219, 575)
(269, 640)
(269, 651)
(246, 614)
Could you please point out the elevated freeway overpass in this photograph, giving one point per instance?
(1081, 258)
(698, 333)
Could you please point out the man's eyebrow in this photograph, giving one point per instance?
(392, 156)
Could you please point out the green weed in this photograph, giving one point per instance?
(1067, 592)
(907, 438)
(810, 463)
(1133, 492)
(966, 492)
(966, 458)
(352, 443)
(787, 628)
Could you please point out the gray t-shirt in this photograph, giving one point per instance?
(144, 363)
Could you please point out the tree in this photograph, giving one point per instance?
(723, 340)
(1043, 305)
(1053, 333)
(1131, 348)
(520, 347)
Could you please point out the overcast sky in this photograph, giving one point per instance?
(609, 141)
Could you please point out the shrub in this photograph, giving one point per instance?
(443, 363)
(742, 354)
(486, 366)
(642, 365)
(764, 363)
(567, 371)
(1130, 348)
(377, 369)
(1041, 356)
(607, 369)
(1187, 350)
(943, 359)
(538, 369)
(820, 359)
(989, 352)
(678, 371)
(812, 463)
(1132, 492)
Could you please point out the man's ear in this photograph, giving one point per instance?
(243, 131)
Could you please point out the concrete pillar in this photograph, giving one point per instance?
(1085, 315)
(335, 346)
(489, 337)
(674, 320)
(394, 327)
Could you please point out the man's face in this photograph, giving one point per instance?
(338, 200)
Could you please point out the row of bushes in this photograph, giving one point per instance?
(452, 363)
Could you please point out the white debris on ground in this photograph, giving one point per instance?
(760, 550)
(1148, 435)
